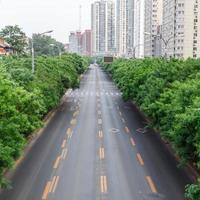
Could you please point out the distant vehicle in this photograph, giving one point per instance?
(108, 59)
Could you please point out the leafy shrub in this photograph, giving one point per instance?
(26, 98)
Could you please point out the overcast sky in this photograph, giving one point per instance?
(36, 16)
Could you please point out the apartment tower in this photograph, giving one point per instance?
(181, 28)
(103, 27)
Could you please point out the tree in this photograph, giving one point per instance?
(46, 45)
(14, 36)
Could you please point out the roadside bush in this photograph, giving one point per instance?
(168, 92)
(26, 98)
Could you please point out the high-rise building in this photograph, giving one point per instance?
(139, 28)
(86, 43)
(181, 28)
(75, 42)
(122, 27)
(130, 28)
(147, 26)
(103, 27)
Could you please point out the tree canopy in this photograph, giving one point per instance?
(14, 36)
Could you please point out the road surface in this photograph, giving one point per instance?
(95, 148)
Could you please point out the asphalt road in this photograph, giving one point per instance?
(94, 148)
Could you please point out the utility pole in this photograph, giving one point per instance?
(32, 49)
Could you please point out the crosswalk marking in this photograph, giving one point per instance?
(88, 93)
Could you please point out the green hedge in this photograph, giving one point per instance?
(26, 98)
(168, 92)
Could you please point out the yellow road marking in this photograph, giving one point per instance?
(46, 191)
(127, 129)
(101, 153)
(55, 185)
(99, 121)
(100, 134)
(75, 113)
(151, 184)
(132, 142)
(103, 184)
(73, 122)
(69, 131)
(52, 184)
(64, 143)
(56, 162)
(139, 157)
(64, 153)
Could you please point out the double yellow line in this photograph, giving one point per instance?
(101, 153)
(103, 184)
(100, 134)
(50, 187)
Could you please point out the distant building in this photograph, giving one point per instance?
(181, 28)
(122, 27)
(5, 48)
(66, 47)
(147, 26)
(75, 42)
(103, 27)
(86, 43)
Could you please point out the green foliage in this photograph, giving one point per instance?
(14, 36)
(26, 98)
(46, 45)
(168, 92)
(193, 192)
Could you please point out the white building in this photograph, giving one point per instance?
(147, 25)
(122, 27)
(181, 28)
(139, 28)
(103, 27)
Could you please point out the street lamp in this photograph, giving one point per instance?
(32, 49)
(165, 41)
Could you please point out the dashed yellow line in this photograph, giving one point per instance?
(73, 122)
(68, 131)
(140, 160)
(151, 184)
(99, 121)
(46, 191)
(52, 184)
(56, 163)
(100, 134)
(132, 142)
(64, 143)
(75, 113)
(56, 183)
(127, 129)
(103, 184)
(101, 153)
(64, 153)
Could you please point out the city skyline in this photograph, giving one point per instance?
(40, 16)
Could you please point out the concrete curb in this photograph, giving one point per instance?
(34, 137)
